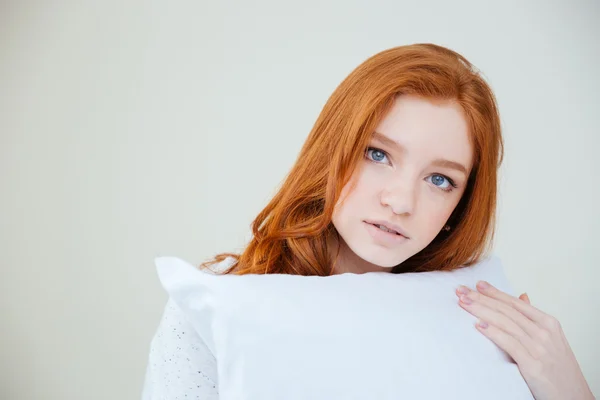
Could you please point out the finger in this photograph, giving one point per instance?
(525, 298)
(524, 323)
(541, 331)
(528, 310)
(506, 342)
(483, 308)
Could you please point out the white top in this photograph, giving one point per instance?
(180, 365)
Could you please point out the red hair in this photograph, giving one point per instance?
(290, 233)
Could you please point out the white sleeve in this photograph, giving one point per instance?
(180, 365)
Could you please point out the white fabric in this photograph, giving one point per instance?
(180, 366)
(370, 336)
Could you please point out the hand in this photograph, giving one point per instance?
(533, 339)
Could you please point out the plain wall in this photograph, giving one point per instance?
(130, 130)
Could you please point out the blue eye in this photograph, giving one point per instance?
(376, 155)
(442, 182)
(438, 180)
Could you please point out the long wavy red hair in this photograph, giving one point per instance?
(290, 235)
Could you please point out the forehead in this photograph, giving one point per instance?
(429, 128)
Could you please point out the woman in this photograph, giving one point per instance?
(398, 174)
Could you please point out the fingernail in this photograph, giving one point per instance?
(465, 299)
(463, 290)
(483, 285)
(482, 324)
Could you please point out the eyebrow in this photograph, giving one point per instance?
(439, 162)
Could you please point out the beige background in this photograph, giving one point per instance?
(130, 130)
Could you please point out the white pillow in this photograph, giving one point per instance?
(371, 336)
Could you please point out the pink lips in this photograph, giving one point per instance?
(386, 239)
(388, 225)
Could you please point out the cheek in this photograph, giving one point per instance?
(358, 190)
(341, 207)
(434, 215)
(353, 201)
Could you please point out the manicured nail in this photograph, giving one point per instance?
(463, 290)
(465, 299)
(483, 285)
(482, 324)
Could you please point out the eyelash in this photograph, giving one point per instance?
(449, 189)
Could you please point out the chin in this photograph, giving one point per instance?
(381, 258)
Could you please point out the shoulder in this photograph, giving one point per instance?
(179, 364)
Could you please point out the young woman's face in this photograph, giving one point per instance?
(411, 178)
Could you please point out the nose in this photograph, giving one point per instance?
(401, 198)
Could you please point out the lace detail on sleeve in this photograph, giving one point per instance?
(180, 365)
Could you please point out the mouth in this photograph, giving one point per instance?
(386, 227)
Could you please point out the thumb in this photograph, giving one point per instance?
(525, 298)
